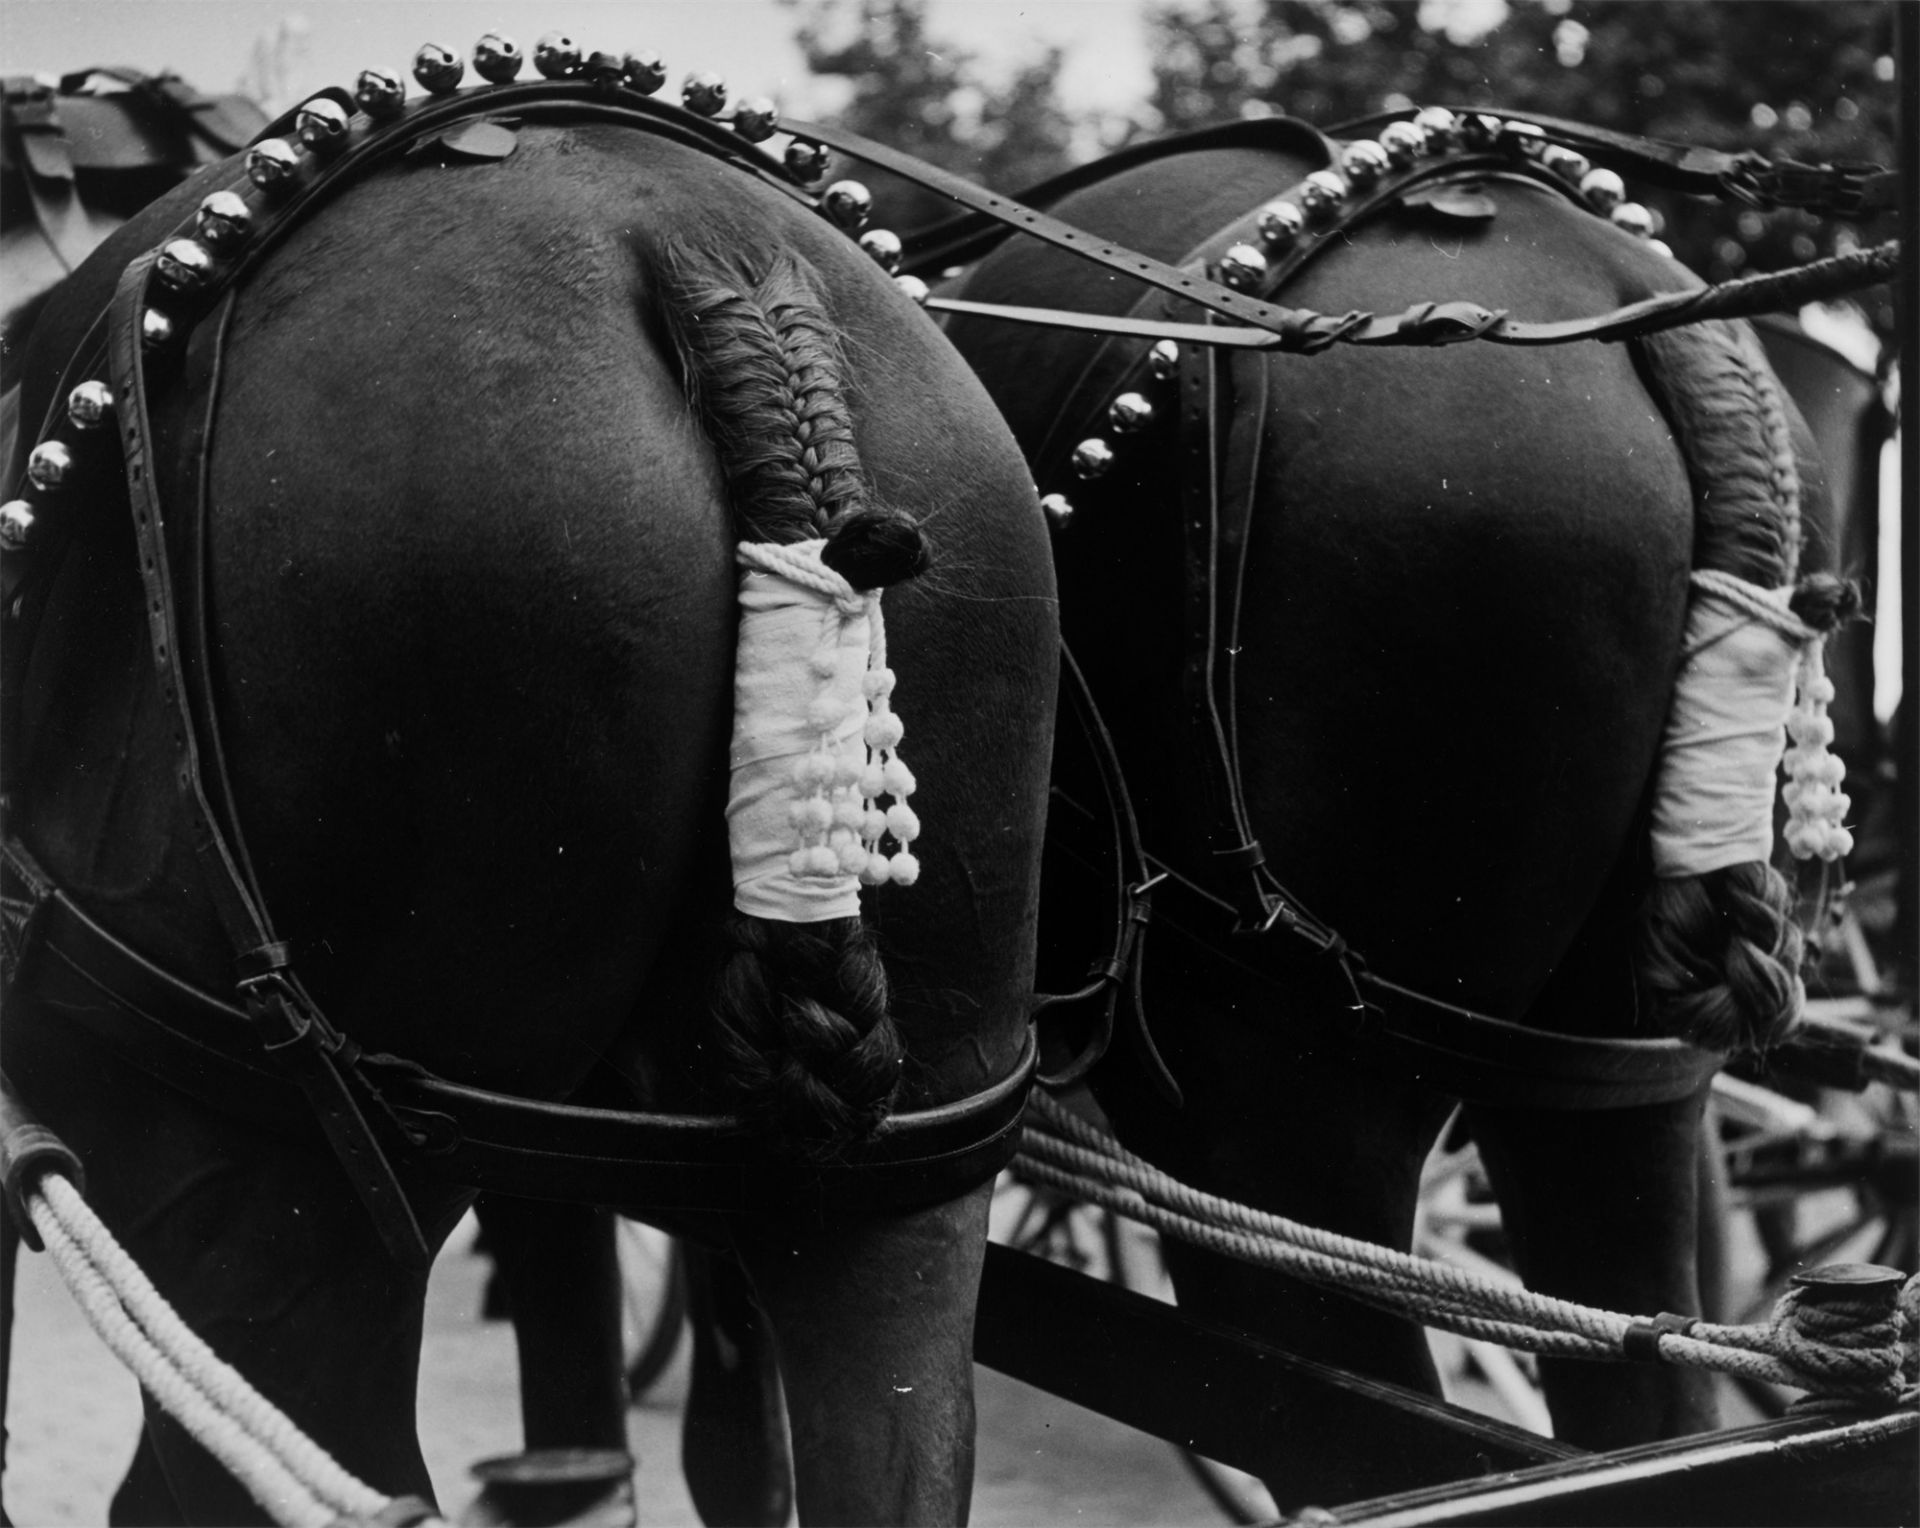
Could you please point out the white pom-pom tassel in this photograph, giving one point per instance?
(811, 771)
(903, 823)
(903, 869)
(821, 862)
(897, 778)
(884, 730)
(811, 816)
(1816, 805)
(876, 872)
(1809, 730)
(878, 683)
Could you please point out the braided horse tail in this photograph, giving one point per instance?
(811, 1053)
(1720, 953)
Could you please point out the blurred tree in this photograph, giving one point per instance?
(273, 62)
(923, 95)
(1810, 80)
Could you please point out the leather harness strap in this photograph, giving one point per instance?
(218, 1054)
(291, 1027)
(1844, 189)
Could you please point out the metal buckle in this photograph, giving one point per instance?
(1273, 911)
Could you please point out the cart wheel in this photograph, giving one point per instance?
(653, 1280)
(1843, 1190)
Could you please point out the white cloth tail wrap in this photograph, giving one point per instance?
(1733, 705)
(813, 746)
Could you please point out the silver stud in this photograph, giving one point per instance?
(1281, 225)
(50, 466)
(1478, 130)
(914, 287)
(755, 118)
(1569, 164)
(438, 69)
(1634, 218)
(603, 70)
(1603, 189)
(1404, 143)
(806, 162)
(1438, 125)
(1163, 360)
(557, 56)
(1365, 162)
(16, 525)
(704, 94)
(1242, 267)
(156, 329)
(1092, 458)
(90, 405)
(645, 71)
(1321, 194)
(883, 244)
(185, 265)
(497, 58)
(1526, 139)
(1057, 507)
(380, 93)
(323, 124)
(1129, 414)
(272, 164)
(223, 221)
(848, 203)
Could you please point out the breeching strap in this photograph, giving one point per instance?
(289, 1023)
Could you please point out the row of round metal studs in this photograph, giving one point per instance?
(54, 464)
(1285, 222)
(1433, 129)
(225, 221)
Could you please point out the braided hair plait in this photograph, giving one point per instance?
(1720, 953)
(811, 1052)
(812, 1056)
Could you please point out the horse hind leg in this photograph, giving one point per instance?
(733, 1450)
(562, 1282)
(889, 1439)
(143, 1498)
(1602, 1207)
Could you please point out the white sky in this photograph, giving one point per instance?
(209, 42)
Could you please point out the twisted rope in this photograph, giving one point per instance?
(800, 562)
(286, 1472)
(1846, 1351)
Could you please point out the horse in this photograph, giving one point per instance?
(1271, 1075)
(458, 413)
(1384, 640)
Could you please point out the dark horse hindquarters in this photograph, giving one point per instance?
(1459, 623)
(470, 575)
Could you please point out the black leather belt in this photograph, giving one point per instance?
(77, 973)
